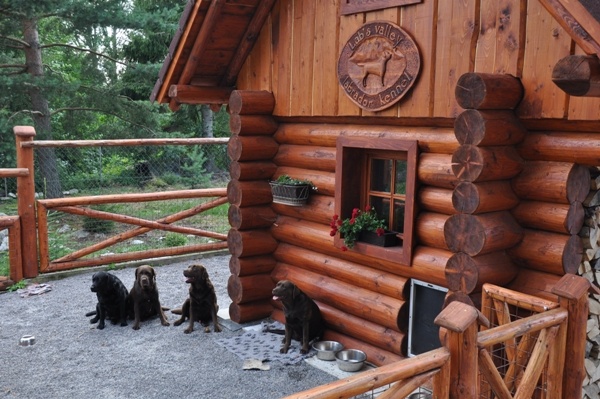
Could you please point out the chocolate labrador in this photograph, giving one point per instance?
(201, 306)
(112, 300)
(303, 320)
(143, 297)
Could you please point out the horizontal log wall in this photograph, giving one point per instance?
(342, 282)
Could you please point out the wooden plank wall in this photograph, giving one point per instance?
(296, 56)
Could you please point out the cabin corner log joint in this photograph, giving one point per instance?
(251, 149)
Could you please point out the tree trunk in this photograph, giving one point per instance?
(40, 111)
(208, 131)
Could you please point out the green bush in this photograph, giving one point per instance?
(175, 240)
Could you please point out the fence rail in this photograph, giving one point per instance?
(33, 226)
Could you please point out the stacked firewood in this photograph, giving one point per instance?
(590, 269)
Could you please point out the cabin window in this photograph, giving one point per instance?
(356, 6)
(380, 173)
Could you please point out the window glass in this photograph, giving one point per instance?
(381, 172)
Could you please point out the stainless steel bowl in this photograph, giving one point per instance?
(27, 340)
(350, 359)
(326, 350)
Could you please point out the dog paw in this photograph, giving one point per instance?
(283, 350)
(218, 328)
(100, 326)
(123, 323)
(187, 331)
(207, 329)
(165, 323)
(177, 323)
(93, 321)
(304, 351)
(136, 327)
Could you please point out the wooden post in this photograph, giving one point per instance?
(460, 337)
(26, 201)
(572, 294)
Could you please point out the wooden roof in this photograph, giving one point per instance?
(581, 19)
(209, 48)
(215, 37)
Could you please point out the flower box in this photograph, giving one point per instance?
(290, 194)
(387, 239)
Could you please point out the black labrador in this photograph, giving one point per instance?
(201, 305)
(303, 320)
(112, 300)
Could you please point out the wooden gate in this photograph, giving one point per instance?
(33, 214)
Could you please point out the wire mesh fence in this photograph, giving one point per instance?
(114, 170)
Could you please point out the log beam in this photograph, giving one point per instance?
(249, 193)
(249, 125)
(253, 217)
(468, 274)
(488, 91)
(547, 216)
(251, 288)
(257, 170)
(250, 243)
(251, 102)
(488, 128)
(186, 94)
(251, 148)
(251, 265)
(246, 312)
(475, 198)
(578, 75)
(559, 182)
(477, 164)
(548, 252)
(481, 234)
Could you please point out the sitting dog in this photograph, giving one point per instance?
(143, 297)
(112, 299)
(303, 320)
(201, 306)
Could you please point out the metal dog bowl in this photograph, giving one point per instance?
(326, 350)
(27, 340)
(350, 359)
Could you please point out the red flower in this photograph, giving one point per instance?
(352, 221)
(333, 232)
(368, 208)
(355, 212)
(340, 222)
(380, 231)
(336, 217)
(344, 248)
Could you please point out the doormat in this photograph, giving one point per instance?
(263, 345)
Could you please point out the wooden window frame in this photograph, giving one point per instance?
(350, 174)
(357, 6)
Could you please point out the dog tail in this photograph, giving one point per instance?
(176, 311)
(93, 312)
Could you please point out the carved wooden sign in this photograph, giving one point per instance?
(378, 65)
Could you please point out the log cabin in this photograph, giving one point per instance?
(472, 126)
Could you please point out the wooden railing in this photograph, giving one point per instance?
(403, 377)
(29, 225)
(522, 356)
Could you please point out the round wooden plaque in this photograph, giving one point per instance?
(378, 65)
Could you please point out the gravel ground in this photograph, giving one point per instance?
(72, 359)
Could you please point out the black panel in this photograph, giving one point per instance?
(426, 302)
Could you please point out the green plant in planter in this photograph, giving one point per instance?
(285, 179)
(290, 191)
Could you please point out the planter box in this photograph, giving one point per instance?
(388, 239)
(290, 194)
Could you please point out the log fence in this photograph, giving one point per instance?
(28, 232)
